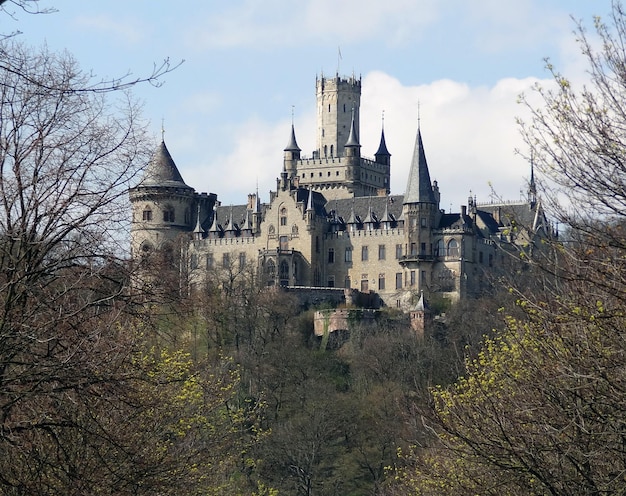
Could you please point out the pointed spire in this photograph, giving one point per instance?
(215, 227)
(256, 208)
(162, 171)
(198, 231)
(292, 146)
(382, 148)
(231, 224)
(387, 219)
(422, 305)
(353, 139)
(532, 187)
(419, 187)
(370, 218)
(309, 203)
(352, 219)
(247, 222)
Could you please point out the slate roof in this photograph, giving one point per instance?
(520, 213)
(353, 139)
(343, 209)
(419, 187)
(382, 147)
(292, 146)
(162, 171)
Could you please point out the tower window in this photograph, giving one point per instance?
(381, 281)
(147, 215)
(329, 107)
(283, 216)
(168, 214)
(284, 273)
(344, 108)
(364, 253)
(348, 257)
(453, 248)
(439, 249)
(331, 255)
(381, 252)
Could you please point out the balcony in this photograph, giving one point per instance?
(416, 258)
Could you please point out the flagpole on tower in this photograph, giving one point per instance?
(338, 59)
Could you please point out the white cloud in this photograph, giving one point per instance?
(469, 134)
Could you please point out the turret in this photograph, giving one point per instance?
(292, 154)
(162, 204)
(353, 147)
(382, 155)
(420, 211)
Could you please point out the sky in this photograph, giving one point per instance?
(249, 65)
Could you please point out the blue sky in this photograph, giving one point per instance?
(227, 108)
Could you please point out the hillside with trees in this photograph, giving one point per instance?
(540, 410)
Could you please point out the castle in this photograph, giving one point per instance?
(332, 222)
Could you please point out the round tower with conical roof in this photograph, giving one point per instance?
(162, 205)
(420, 211)
(291, 155)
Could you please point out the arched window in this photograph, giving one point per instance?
(453, 248)
(270, 270)
(332, 150)
(283, 216)
(147, 214)
(284, 273)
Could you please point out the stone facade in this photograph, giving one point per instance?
(332, 222)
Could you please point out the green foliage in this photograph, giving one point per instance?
(539, 412)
